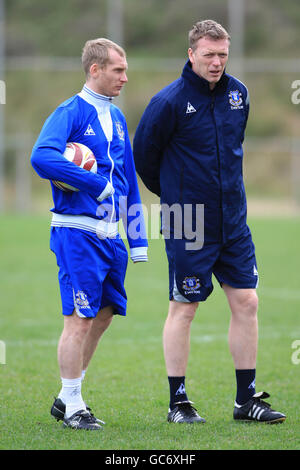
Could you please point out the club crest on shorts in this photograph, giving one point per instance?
(81, 300)
(191, 285)
(120, 130)
(235, 99)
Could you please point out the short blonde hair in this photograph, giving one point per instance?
(97, 51)
(209, 28)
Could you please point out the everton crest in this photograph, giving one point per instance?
(191, 285)
(120, 130)
(235, 99)
(81, 300)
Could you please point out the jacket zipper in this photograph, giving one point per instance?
(110, 179)
(106, 123)
(181, 183)
(212, 108)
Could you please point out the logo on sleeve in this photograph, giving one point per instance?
(235, 99)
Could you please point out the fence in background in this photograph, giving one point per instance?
(25, 191)
(20, 188)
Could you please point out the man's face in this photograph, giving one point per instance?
(109, 80)
(209, 58)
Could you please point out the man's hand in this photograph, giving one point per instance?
(107, 192)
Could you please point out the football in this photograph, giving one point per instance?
(82, 156)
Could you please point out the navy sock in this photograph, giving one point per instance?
(245, 382)
(177, 390)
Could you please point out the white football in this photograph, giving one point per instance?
(82, 156)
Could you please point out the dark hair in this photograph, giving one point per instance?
(206, 28)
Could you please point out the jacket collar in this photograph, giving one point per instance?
(201, 83)
(97, 100)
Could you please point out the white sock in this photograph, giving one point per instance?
(70, 394)
(61, 393)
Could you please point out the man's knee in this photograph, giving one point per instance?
(75, 325)
(183, 311)
(103, 319)
(245, 302)
(249, 302)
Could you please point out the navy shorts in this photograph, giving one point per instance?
(91, 271)
(190, 272)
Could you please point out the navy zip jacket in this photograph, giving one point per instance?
(188, 150)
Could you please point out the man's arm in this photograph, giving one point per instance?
(152, 136)
(133, 218)
(247, 108)
(48, 161)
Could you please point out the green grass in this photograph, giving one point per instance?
(126, 384)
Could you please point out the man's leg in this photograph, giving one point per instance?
(243, 337)
(100, 323)
(243, 329)
(176, 336)
(70, 358)
(97, 327)
(71, 345)
(176, 343)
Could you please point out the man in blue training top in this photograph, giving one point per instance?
(91, 255)
(188, 150)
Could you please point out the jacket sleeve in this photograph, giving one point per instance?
(247, 109)
(132, 212)
(47, 155)
(151, 138)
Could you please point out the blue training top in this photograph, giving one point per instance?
(91, 119)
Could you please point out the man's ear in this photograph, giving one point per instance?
(191, 55)
(94, 69)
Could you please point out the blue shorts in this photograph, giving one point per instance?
(190, 272)
(91, 271)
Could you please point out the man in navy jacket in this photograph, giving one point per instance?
(188, 150)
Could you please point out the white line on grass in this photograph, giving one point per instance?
(280, 293)
(153, 339)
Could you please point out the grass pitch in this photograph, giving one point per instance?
(126, 383)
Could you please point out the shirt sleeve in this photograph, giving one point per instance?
(247, 109)
(151, 138)
(132, 210)
(47, 155)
